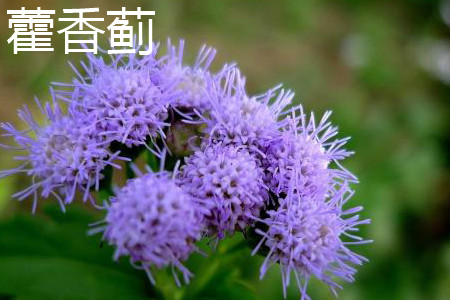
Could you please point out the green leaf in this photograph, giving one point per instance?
(50, 256)
(221, 274)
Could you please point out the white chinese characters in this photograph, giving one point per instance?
(122, 32)
(87, 34)
(32, 30)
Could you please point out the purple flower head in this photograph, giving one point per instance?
(122, 98)
(311, 237)
(239, 120)
(228, 182)
(155, 222)
(193, 82)
(300, 157)
(60, 157)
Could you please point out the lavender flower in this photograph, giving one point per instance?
(301, 156)
(61, 157)
(239, 120)
(193, 82)
(228, 182)
(155, 222)
(304, 236)
(252, 161)
(121, 98)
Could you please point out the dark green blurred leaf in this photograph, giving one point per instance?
(51, 257)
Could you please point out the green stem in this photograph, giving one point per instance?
(152, 161)
(165, 284)
(128, 170)
(105, 187)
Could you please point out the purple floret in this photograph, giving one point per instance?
(122, 98)
(228, 182)
(155, 222)
(193, 82)
(62, 156)
(303, 155)
(240, 120)
(308, 237)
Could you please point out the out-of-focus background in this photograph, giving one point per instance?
(383, 67)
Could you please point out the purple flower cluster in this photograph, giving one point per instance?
(304, 236)
(61, 157)
(300, 157)
(228, 182)
(192, 82)
(121, 99)
(239, 120)
(255, 164)
(154, 221)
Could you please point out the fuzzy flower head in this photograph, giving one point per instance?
(239, 120)
(122, 98)
(154, 222)
(228, 182)
(300, 157)
(306, 237)
(193, 81)
(61, 157)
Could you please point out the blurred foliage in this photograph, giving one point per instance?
(51, 257)
(379, 65)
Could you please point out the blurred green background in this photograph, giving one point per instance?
(383, 67)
